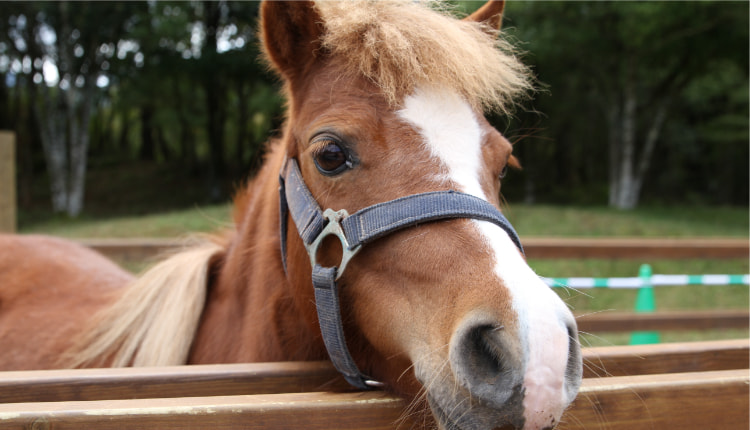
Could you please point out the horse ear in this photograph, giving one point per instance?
(291, 33)
(514, 163)
(491, 14)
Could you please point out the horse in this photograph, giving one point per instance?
(410, 280)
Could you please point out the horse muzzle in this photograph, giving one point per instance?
(492, 381)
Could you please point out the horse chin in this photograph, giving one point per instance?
(454, 413)
(454, 408)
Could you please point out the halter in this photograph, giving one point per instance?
(356, 230)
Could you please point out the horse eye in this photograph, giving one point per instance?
(331, 159)
(504, 172)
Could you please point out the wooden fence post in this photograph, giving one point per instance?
(7, 182)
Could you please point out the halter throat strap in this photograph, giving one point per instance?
(355, 231)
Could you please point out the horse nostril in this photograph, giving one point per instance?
(486, 362)
(520, 376)
(484, 350)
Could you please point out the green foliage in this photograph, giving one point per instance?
(691, 55)
(186, 90)
(183, 83)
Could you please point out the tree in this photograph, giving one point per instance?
(640, 101)
(196, 86)
(67, 46)
(662, 50)
(626, 65)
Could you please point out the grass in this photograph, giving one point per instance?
(166, 224)
(602, 268)
(541, 220)
(692, 297)
(529, 221)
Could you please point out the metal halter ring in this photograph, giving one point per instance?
(333, 228)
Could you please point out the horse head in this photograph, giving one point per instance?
(385, 101)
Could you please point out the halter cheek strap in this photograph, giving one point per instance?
(356, 230)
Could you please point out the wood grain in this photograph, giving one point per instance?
(8, 203)
(666, 358)
(359, 410)
(175, 381)
(292, 377)
(679, 320)
(636, 248)
(701, 401)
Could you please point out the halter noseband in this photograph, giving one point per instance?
(356, 230)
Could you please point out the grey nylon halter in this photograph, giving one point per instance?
(356, 230)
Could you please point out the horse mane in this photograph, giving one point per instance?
(400, 45)
(154, 321)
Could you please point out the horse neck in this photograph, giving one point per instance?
(252, 312)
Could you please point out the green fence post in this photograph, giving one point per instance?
(645, 303)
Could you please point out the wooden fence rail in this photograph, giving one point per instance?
(683, 357)
(171, 381)
(294, 377)
(700, 401)
(702, 385)
(8, 207)
(141, 249)
(704, 400)
(658, 321)
(636, 248)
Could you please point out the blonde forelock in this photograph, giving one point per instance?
(400, 45)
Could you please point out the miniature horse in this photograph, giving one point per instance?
(385, 100)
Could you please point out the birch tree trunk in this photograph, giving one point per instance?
(626, 177)
(64, 113)
(625, 196)
(79, 114)
(53, 135)
(615, 137)
(65, 139)
(648, 149)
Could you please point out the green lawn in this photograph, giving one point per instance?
(165, 224)
(529, 221)
(541, 220)
(692, 297)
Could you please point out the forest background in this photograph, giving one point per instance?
(134, 107)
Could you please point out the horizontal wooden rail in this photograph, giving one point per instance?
(294, 377)
(373, 410)
(703, 400)
(672, 320)
(636, 248)
(666, 358)
(171, 381)
(133, 249)
(700, 401)
(142, 249)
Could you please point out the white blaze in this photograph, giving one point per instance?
(453, 135)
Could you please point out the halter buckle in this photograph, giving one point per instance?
(333, 228)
